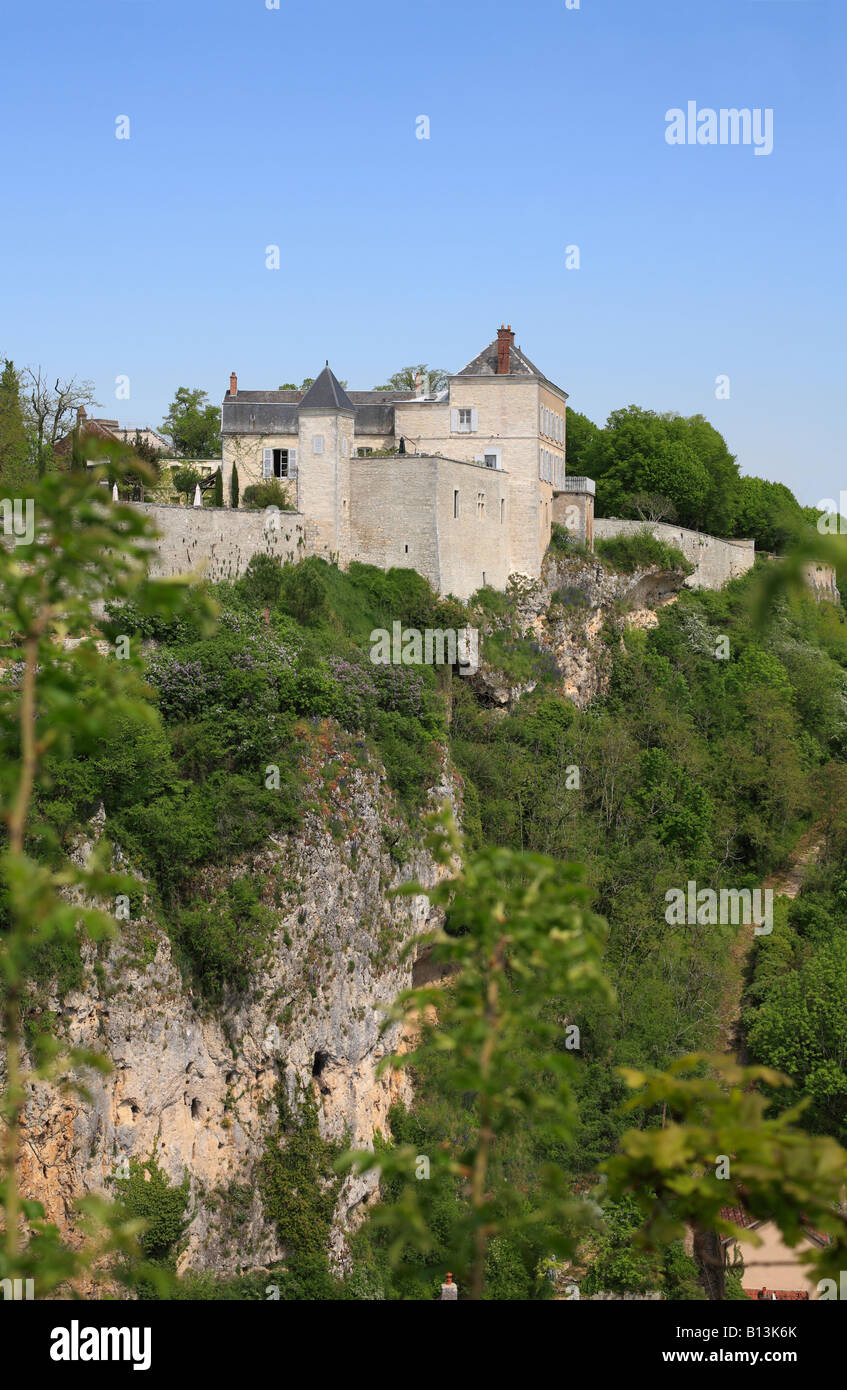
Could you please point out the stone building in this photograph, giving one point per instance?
(462, 484)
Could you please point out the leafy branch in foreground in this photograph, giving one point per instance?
(81, 550)
(719, 1148)
(518, 936)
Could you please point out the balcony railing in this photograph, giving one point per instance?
(578, 485)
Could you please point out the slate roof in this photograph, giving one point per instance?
(485, 364)
(270, 416)
(275, 412)
(326, 393)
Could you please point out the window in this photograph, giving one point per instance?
(280, 463)
(455, 502)
(318, 444)
(480, 506)
(502, 510)
(464, 420)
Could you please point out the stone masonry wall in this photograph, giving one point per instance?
(716, 561)
(217, 543)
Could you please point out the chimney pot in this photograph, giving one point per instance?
(233, 384)
(505, 339)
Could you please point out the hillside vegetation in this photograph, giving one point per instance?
(714, 748)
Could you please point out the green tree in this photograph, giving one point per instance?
(185, 480)
(85, 550)
(147, 452)
(767, 512)
(712, 1111)
(406, 378)
(218, 490)
(78, 454)
(683, 460)
(580, 434)
(193, 425)
(234, 489)
(16, 469)
(801, 1028)
(518, 935)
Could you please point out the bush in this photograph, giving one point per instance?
(262, 580)
(642, 550)
(227, 815)
(297, 1181)
(148, 1194)
(303, 592)
(185, 480)
(224, 939)
(269, 493)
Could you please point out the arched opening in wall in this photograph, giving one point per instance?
(195, 1109)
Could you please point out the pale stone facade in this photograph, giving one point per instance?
(466, 495)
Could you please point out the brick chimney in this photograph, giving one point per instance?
(505, 338)
(81, 414)
(233, 384)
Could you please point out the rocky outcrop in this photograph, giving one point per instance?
(569, 613)
(195, 1085)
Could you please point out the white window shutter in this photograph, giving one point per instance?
(454, 419)
(292, 463)
(541, 419)
(267, 463)
(474, 421)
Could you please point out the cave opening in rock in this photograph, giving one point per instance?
(321, 1059)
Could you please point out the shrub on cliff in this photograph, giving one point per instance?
(642, 550)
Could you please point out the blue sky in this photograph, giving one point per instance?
(251, 127)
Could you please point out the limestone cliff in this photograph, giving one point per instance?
(194, 1085)
(569, 613)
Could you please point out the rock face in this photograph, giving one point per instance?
(567, 613)
(195, 1085)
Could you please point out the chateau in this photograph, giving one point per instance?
(462, 485)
